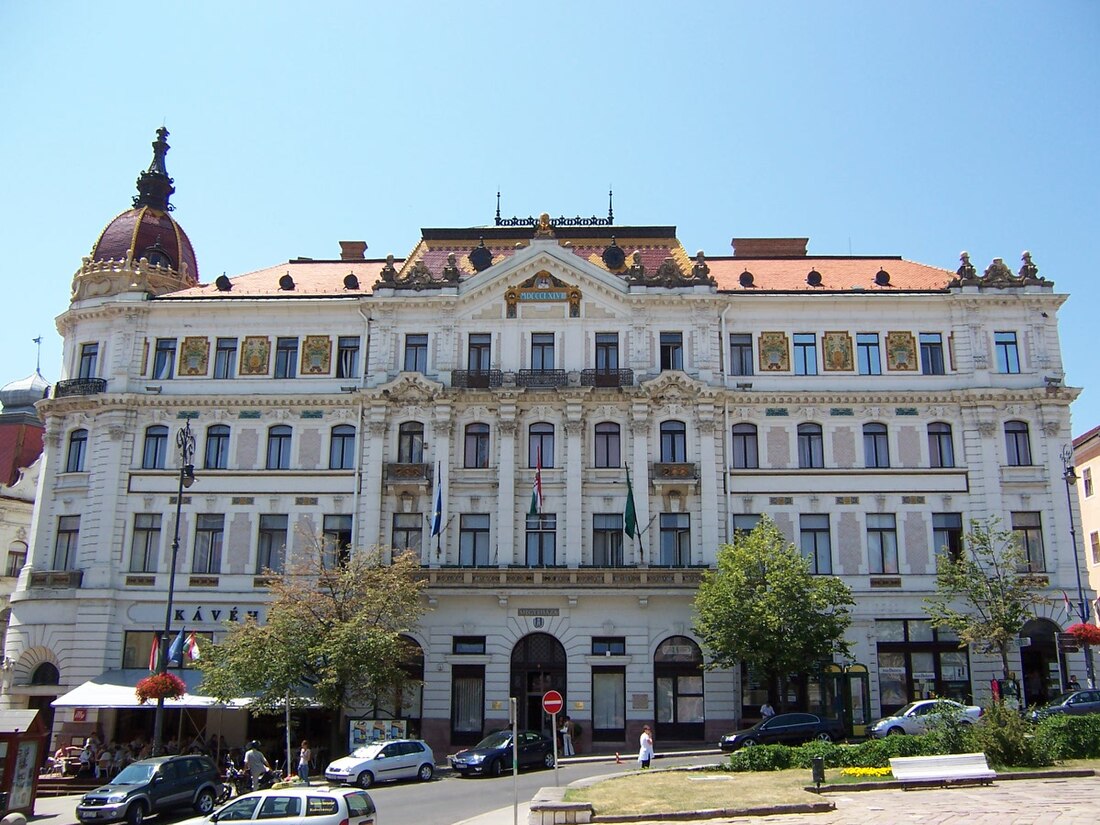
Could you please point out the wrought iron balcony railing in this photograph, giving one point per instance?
(541, 379)
(79, 386)
(607, 378)
(476, 379)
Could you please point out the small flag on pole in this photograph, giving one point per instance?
(175, 652)
(154, 652)
(437, 513)
(630, 515)
(1069, 605)
(192, 647)
(536, 486)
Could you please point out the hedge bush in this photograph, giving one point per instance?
(1008, 740)
(760, 758)
(1070, 737)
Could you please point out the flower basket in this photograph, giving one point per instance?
(160, 686)
(1086, 634)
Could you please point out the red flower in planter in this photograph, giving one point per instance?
(160, 686)
(1086, 634)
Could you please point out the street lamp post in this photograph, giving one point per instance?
(185, 441)
(1070, 477)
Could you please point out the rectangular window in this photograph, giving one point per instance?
(941, 449)
(675, 539)
(868, 354)
(947, 534)
(347, 356)
(740, 353)
(155, 448)
(336, 541)
(217, 447)
(608, 452)
(468, 645)
(607, 539)
(542, 540)
(64, 549)
(467, 703)
(816, 546)
(1086, 481)
(78, 446)
(476, 447)
(805, 353)
(473, 540)
(882, 543)
(164, 358)
(745, 454)
(89, 361)
(407, 530)
(145, 546)
(542, 350)
(479, 356)
(608, 704)
(209, 535)
(876, 446)
(286, 357)
(1008, 352)
(225, 358)
(745, 522)
(1094, 540)
(608, 645)
(931, 353)
(278, 447)
(607, 351)
(672, 351)
(17, 557)
(271, 543)
(341, 448)
(416, 352)
(1028, 528)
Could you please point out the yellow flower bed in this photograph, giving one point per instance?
(865, 771)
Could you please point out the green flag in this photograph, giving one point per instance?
(630, 516)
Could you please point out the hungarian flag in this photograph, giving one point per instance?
(154, 652)
(630, 515)
(536, 487)
(191, 647)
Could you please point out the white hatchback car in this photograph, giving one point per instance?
(383, 761)
(914, 717)
(295, 806)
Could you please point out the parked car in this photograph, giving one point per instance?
(914, 717)
(785, 729)
(1072, 702)
(152, 786)
(382, 762)
(315, 805)
(493, 754)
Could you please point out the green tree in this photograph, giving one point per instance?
(986, 593)
(763, 606)
(336, 627)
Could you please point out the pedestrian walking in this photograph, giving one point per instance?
(645, 749)
(304, 758)
(567, 738)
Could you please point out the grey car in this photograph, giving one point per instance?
(1073, 702)
(152, 786)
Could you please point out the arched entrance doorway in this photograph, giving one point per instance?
(1043, 665)
(538, 665)
(45, 674)
(678, 688)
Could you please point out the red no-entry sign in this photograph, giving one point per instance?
(552, 702)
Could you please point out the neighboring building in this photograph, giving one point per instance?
(871, 406)
(1086, 460)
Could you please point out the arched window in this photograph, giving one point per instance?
(78, 446)
(217, 447)
(811, 451)
(410, 443)
(477, 446)
(156, 448)
(341, 449)
(673, 442)
(876, 448)
(278, 447)
(1018, 443)
(608, 449)
(540, 442)
(745, 454)
(46, 674)
(941, 449)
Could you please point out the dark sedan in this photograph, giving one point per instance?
(493, 754)
(1072, 702)
(785, 729)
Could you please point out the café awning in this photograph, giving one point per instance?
(115, 689)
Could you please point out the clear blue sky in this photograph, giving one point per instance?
(917, 129)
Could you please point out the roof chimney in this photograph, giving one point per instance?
(353, 250)
(770, 247)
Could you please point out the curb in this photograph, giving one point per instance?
(722, 813)
(895, 785)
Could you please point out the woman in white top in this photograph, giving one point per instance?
(645, 750)
(304, 758)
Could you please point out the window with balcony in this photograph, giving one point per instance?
(216, 456)
(89, 361)
(479, 352)
(542, 540)
(607, 539)
(1028, 527)
(882, 543)
(675, 539)
(805, 353)
(740, 353)
(607, 443)
(410, 443)
(286, 357)
(876, 446)
(947, 535)
(1017, 444)
(416, 352)
(164, 359)
(347, 356)
(145, 544)
(65, 547)
(476, 452)
(278, 447)
(155, 448)
(672, 351)
(867, 353)
(1007, 351)
(341, 449)
(931, 353)
(811, 447)
(271, 543)
(336, 541)
(473, 540)
(745, 451)
(78, 448)
(542, 351)
(540, 445)
(607, 351)
(941, 448)
(673, 442)
(407, 531)
(209, 537)
(816, 546)
(225, 358)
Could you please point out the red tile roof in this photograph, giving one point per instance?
(837, 274)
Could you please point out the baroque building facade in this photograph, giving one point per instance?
(871, 406)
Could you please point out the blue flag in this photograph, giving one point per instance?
(175, 652)
(437, 513)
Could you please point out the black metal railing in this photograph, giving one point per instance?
(476, 379)
(541, 379)
(402, 473)
(607, 378)
(79, 386)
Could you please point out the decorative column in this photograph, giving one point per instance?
(506, 489)
(639, 476)
(442, 429)
(709, 493)
(574, 476)
(370, 532)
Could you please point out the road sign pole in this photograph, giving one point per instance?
(554, 726)
(512, 711)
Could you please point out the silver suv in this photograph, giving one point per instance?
(151, 786)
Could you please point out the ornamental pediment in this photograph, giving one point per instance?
(410, 388)
(673, 386)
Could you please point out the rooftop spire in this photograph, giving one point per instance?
(153, 185)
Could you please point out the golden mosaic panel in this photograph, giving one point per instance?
(255, 355)
(837, 349)
(316, 355)
(901, 351)
(775, 356)
(194, 355)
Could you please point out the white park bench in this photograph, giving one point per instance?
(943, 769)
